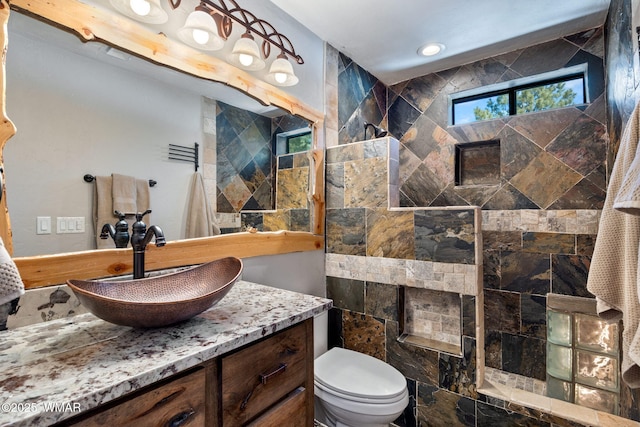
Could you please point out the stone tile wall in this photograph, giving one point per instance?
(539, 220)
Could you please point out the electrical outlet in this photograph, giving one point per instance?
(70, 224)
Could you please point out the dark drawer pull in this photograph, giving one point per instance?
(265, 377)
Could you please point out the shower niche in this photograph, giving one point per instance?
(477, 163)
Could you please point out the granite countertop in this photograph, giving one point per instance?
(81, 362)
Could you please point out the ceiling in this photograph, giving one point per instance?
(383, 37)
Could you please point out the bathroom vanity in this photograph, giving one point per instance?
(247, 360)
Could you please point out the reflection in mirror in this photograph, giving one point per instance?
(87, 108)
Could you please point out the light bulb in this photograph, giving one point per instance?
(245, 59)
(280, 77)
(140, 7)
(200, 36)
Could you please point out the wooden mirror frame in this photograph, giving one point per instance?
(91, 24)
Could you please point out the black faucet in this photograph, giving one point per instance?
(140, 238)
(119, 233)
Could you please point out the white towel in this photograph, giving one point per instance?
(613, 274)
(11, 286)
(200, 219)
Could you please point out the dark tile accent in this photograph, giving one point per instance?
(502, 240)
(421, 187)
(445, 236)
(525, 272)
(381, 300)
(334, 185)
(476, 195)
(251, 220)
(364, 334)
(416, 363)
(545, 179)
(237, 155)
(544, 126)
(346, 294)
(6, 310)
(408, 419)
(509, 198)
(493, 349)
(336, 338)
(223, 204)
(285, 162)
(252, 176)
(534, 312)
(479, 131)
(570, 275)
(421, 91)
(555, 243)
(437, 408)
(496, 304)
(491, 270)
(225, 172)
(492, 416)
(390, 234)
(401, 116)
(585, 244)
(544, 57)
(584, 195)
(581, 146)
(458, 374)
(346, 231)
(524, 356)
(300, 220)
(265, 161)
(448, 197)
(516, 152)
(469, 315)
(264, 195)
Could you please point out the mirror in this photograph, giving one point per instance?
(88, 108)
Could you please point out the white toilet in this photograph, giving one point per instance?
(356, 390)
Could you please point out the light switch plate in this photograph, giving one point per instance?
(43, 225)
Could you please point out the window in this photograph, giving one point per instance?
(548, 91)
(293, 141)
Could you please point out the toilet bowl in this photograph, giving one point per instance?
(356, 390)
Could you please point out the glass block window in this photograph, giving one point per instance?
(583, 357)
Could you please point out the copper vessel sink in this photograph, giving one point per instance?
(161, 300)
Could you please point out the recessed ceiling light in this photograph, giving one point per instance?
(431, 49)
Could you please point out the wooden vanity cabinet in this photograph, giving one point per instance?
(266, 383)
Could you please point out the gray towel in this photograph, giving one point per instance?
(11, 286)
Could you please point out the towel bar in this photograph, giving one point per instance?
(91, 178)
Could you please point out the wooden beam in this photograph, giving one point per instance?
(47, 270)
(7, 129)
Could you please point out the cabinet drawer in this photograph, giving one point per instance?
(259, 376)
(291, 412)
(180, 402)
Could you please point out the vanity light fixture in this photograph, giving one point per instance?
(431, 49)
(148, 11)
(200, 30)
(245, 53)
(210, 25)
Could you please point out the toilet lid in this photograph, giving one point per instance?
(357, 374)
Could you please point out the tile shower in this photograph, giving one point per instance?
(540, 213)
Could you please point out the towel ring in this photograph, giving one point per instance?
(91, 178)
